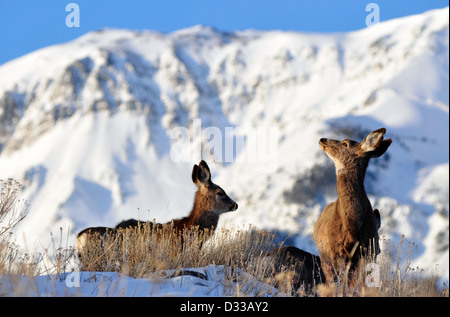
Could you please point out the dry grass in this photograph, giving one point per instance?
(148, 251)
(159, 253)
(390, 275)
(152, 252)
(12, 209)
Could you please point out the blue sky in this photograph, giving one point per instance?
(27, 25)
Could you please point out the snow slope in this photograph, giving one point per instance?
(86, 126)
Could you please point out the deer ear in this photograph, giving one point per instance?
(203, 172)
(377, 217)
(194, 174)
(381, 149)
(372, 141)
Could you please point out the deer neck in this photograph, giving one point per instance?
(202, 215)
(352, 198)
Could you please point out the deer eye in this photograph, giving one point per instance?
(345, 144)
(219, 193)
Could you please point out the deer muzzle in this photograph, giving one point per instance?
(324, 143)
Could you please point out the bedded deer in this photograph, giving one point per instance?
(89, 244)
(210, 202)
(305, 266)
(348, 228)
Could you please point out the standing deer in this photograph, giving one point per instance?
(348, 228)
(210, 202)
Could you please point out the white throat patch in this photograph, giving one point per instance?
(340, 168)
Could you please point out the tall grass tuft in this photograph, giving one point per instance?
(391, 274)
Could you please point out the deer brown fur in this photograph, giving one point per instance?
(210, 202)
(306, 267)
(347, 228)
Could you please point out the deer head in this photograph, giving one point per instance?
(210, 196)
(348, 154)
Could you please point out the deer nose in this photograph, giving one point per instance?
(234, 207)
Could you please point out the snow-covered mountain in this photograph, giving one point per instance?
(88, 127)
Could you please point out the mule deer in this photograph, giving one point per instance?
(305, 266)
(210, 202)
(348, 228)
